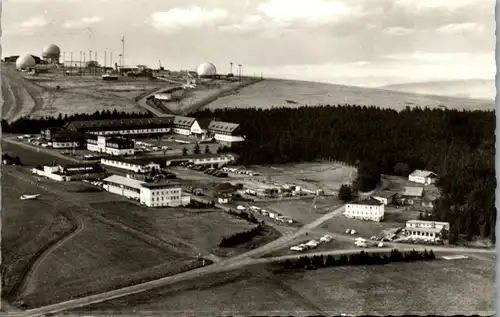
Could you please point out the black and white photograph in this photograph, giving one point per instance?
(248, 158)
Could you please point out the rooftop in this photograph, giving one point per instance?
(185, 121)
(161, 184)
(423, 173)
(368, 202)
(435, 230)
(120, 180)
(134, 159)
(427, 222)
(119, 123)
(222, 126)
(413, 191)
(385, 194)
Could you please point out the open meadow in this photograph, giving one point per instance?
(437, 287)
(28, 228)
(311, 176)
(289, 93)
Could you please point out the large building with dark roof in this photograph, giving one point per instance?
(226, 133)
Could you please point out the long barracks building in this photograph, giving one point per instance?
(224, 132)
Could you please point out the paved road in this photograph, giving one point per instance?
(33, 148)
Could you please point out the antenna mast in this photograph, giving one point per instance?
(123, 52)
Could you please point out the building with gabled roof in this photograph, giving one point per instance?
(226, 133)
(422, 177)
(367, 209)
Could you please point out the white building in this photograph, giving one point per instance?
(422, 177)
(110, 145)
(385, 197)
(123, 186)
(429, 234)
(427, 224)
(225, 132)
(369, 209)
(184, 125)
(161, 194)
(130, 164)
(218, 160)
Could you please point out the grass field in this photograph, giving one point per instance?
(326, 176)
(27, 227)
(301, 210)
(100, 258)
(202, 228)
(275, 93)
(440, 287)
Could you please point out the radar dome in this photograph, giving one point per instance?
(206, 70)
(51, 51)
(25, 61)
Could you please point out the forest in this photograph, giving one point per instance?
(458, 145)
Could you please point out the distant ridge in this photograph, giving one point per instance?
(468, 88)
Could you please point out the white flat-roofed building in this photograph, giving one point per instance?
(130, 164)
(123, 186)
(427, 224)
(368, 209)
(429, 234)
(422, 177)
(162, 194)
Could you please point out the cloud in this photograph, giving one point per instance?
(248, 24)
(305, 11)
(397, 31)
(193, 17)
(431, 57)
(29, 26)
(436, 4)
(81, 23)
(460, 28)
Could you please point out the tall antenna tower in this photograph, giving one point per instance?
(123, 52)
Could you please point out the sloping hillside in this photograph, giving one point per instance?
(472, 88)
(288, 93)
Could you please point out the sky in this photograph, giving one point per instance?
(352, 42)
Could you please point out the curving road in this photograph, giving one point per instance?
(234, 263)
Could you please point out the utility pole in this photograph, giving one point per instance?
(240, 72)
(90, 64)
(80, 62)
(231, 69)
(84, 66)
(105, 57)
(71, 64)
(123, 52)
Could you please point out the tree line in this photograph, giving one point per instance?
(362, 258)
(458, 145)
(240, 237)
(26, 125)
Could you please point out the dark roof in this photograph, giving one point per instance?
(370, 201)
(119, 124)
(184, 121)
(221, 126)
(204, 123)
(160, 184)
(119, 141)
(225, 188)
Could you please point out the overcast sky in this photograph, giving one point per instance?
(357, 42)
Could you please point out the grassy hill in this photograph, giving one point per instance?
(289, 93)
(472, 88)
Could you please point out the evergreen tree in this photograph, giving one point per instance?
(184, 151)
(345, 193)
(207, 149)
(196, 149)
